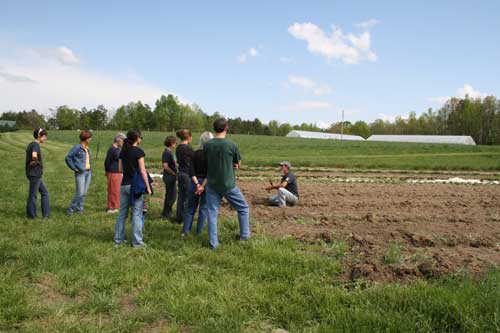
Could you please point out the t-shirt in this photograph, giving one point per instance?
(184, 154)
(291, 183)
(168, 157)
(87, 159)
(130, 162)
(111, 161)
(198, 165)
(221, 155)
(37, 169)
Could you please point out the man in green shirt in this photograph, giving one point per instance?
(223, 157)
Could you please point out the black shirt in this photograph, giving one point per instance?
(184, 155)
(199, 165)
(130, 162)
(168, 157)
(291, 183)
(37, 169)
(111, 161)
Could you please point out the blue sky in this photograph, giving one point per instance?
(294, 61)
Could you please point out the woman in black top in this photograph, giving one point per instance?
(131, 162)
(169, 176)
(196, 195)
(34, 171)
(184, 154)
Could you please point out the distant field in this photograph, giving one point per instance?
(267, 151)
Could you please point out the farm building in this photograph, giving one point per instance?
(450, 139)
(322, 135)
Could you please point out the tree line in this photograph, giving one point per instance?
(479, 118)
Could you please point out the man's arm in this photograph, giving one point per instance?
(277, 186)
(236, 158)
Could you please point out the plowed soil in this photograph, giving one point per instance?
(390, 231)
(387, 232)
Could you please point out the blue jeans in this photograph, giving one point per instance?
(137, 217)
(183, 181)
(238, 202)
(37, 185)
(193, 202)
(82, 180)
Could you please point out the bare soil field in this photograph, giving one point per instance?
(390, 231)
(386, 231)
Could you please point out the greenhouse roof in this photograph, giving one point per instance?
(450, 139)
(323, 135)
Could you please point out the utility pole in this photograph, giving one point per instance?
(342, 127)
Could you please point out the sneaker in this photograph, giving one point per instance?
(124, 242)
(110, 211)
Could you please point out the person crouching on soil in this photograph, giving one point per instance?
(288, 191)
(78, 160)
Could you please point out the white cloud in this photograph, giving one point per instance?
(390, 118)
(366, 25)
(466, 91)
(309, 85)
(323, 124)
(322, 90)
(253, 52)
(32, 80)
(243, 58)
(66, 56)
(286, 60)
(301, 81)
(310, 106)
(14, 78)
(439, 100)
(350, 48)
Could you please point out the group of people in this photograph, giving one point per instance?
(197, 180)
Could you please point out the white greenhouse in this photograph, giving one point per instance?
(322, 135)
(450, 139)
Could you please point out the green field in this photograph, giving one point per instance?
(267, 151)
(65, 275)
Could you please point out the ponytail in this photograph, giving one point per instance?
(133, 136)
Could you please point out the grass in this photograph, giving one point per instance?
(258, 151)
(66, 275)
(393, 254)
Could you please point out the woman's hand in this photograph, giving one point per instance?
(199, 189)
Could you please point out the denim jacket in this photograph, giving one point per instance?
(138, 187)
(75, 159)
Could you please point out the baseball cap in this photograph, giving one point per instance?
(285, 163)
